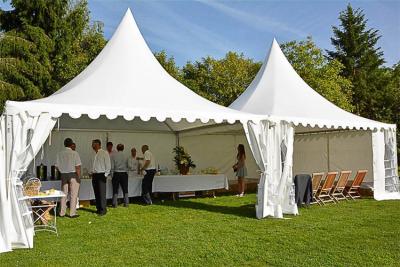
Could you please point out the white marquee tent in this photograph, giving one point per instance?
(327, 137)
(124, 87)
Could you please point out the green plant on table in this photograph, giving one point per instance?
(182, 158)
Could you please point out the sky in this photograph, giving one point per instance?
(190, 30)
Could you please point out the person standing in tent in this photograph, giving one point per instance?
(100, 170)
(110, 149)
(119, 170)
(240, 169)
(149, 167)
(69, 164)
(133, 164)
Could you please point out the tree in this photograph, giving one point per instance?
(220, 81)
(169, 64)
(25, 66)
(355, 48)
(318, 72)
(60, 42)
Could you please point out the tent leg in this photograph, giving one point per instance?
(328, 152)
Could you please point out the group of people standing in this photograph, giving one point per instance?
(104, 164)
(115, 163)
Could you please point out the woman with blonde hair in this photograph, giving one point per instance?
(240, 169)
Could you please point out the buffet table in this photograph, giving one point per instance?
(184, 183)
(162, 183)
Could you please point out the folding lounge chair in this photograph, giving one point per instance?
(353, 191)
(325, 193)
(338, 191)
(316, 183)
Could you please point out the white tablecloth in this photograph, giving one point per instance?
(184, 183)
(163, 183)
(86, 189)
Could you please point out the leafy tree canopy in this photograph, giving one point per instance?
(44, 44)
(318, 72)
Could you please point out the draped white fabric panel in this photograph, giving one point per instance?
(26, 135)
(286, 189)
(5, 244)
(272, 147)
(391, 175)
(257, 135)
(378, 147)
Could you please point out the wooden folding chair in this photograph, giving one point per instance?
(353, 191)
(325, 192)
(316, 183)
(338, 190)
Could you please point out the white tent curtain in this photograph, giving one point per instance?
(272, 147)
(5, 244)
(378, 150)
(391, 176)
(286, 188)
(257, 134)
(24, 135)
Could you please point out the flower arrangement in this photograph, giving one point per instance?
(183, 161)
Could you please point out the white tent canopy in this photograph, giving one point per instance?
(279, 93)
(125, 81)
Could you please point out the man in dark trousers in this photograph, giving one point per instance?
(100, 170)
(149, 167)
(119, 169)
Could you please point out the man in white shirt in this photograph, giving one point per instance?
(149, 167)
(133, 164)
(69, 164)
(119, 169)
(109, 147)
(100, 170)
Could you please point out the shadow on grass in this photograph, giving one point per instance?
(88, 210)
(247, 211)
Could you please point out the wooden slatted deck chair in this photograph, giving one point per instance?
(353, 191)
(316, 183)
(338, 191)
(325, 192)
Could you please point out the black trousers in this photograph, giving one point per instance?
(99, 182)
(120, 178)
(147, 185)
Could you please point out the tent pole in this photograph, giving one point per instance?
(328, 151)
(6, 151)
(175, 132)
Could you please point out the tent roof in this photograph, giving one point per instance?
(279, 92)
(125, 79)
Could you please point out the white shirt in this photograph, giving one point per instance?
(67, 160)
(101, 162)
(133, 166)
(119, 163)
(149, 156)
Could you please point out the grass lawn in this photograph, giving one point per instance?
(221, 231)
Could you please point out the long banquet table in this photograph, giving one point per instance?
(162, 183)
